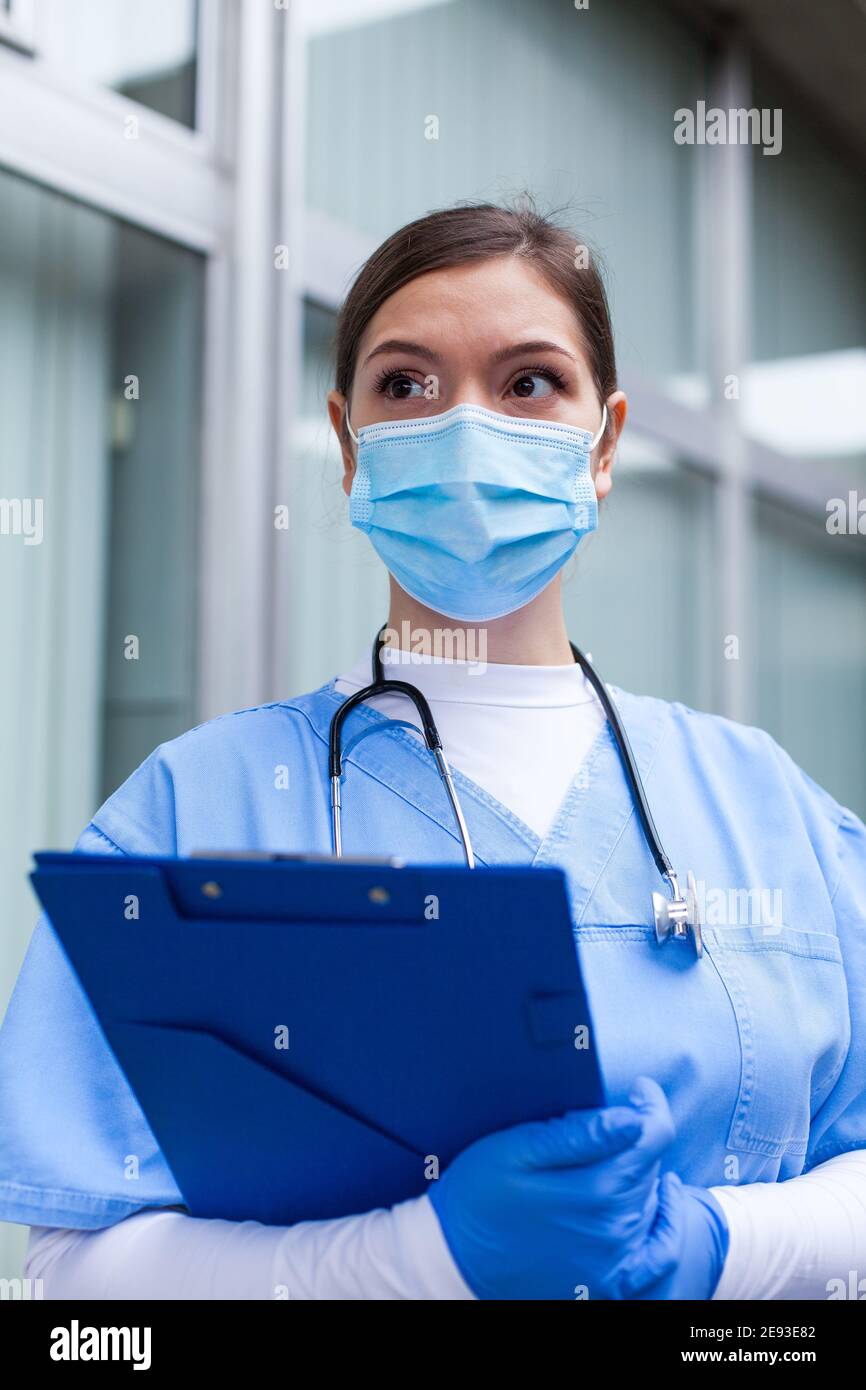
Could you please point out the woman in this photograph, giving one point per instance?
(731, 1159)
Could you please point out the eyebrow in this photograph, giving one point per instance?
(501, 355)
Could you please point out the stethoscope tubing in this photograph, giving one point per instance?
(380, 685)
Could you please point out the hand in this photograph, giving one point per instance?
(544, 1210)
(691, 1225)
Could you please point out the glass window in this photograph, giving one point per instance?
(145, 49)
(804, 391)
(639, 594)
(16, 22)
(100, 349)
(155, 326)
(811, 618)
(338, 584)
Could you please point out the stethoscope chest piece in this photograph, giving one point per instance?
(677, 918)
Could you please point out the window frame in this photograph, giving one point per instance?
(211, 190)
(18, 24)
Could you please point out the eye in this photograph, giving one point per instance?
(397, 385)
(537, 383)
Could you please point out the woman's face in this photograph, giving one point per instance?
(491, 333)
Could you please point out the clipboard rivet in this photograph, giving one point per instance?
(379, 895)
(211, 889)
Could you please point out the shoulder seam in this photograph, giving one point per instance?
(229, 714)
(113, 843)
(845, 814)
(234, 714)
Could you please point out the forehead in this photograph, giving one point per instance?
(492, 301)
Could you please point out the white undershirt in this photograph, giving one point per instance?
(521, 733)
(396, 1253)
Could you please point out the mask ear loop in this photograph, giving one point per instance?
(601, 429)
(349, 425)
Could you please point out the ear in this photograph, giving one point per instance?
(617, 409)
(337, 413)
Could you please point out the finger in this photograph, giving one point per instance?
(651, 1103)
(580, 1137)
(660, 1251)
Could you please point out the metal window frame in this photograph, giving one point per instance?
(209, 190)
(70, 135)
(42, 45)
(17, 25)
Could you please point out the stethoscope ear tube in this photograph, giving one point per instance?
(381, 686)
(378, 687)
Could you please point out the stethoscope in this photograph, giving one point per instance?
(676, 918)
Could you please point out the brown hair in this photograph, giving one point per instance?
(477, 231)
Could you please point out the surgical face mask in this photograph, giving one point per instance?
(474, 512)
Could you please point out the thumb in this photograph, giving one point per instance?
(579, 1137)
(660, 1252)
(650, 1102)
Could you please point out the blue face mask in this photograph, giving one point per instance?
(474, 512)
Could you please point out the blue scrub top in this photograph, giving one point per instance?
(760, 1046)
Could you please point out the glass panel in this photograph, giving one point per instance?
(805, 390)
(803, 395)
(639, 593)
(338, 585)
(98, 522)
(16, 23)
(155, 336)
(812, 635)
(145, 49)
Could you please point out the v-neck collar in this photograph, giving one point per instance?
(490, 821)
(599, 804)
(588, 823)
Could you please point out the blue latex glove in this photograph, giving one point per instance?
(544, 1210)
(690, 1225)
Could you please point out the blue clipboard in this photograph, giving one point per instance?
(307, 1038)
